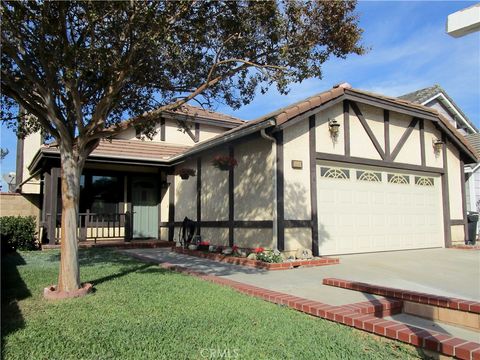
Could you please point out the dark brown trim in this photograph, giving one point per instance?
(171, 207)
(197, 132)
(457, 222)
(162, 129)
(250, 224)
(199, 193)
(445, 195)
(298, 224)
(19, 164)
(404, 138)
(346, 126)
(379, 163)
(386, 133)
(313, 184)
(280, 193)
(385, 104)
(421, 126)
(231, 204)
(464, 200)
(159, 201)
(191, 134)
(129, 212)
(52, 197)
(367, 128)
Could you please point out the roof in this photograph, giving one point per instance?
(129, 149)
(474, 140)
(422, 95)
(198, 112)
(160, 152)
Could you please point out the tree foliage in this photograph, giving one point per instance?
(78, 69)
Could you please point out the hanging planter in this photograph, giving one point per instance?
(224, 163)
(185, 173)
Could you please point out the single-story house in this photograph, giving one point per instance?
(344, 171)
(436, 97)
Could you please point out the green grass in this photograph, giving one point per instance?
(140, 311)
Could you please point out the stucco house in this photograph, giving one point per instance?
(344, 171)
(437, 98)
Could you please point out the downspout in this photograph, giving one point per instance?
(274, 212)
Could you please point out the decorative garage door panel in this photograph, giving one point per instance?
(363, 210)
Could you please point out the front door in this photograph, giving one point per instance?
(145, 209)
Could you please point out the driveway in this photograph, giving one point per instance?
(447, 272)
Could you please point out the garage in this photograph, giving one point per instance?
(368, 209)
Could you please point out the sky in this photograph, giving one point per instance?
(409, 50)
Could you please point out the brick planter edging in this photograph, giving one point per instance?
(362, 320)
(256, 263)
(466, 247)
(413, 296)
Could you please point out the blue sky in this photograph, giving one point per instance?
(409, 50)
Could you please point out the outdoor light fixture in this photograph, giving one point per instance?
(334, 128)
(437, 145)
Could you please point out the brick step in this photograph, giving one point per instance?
(407, 295)
(377, 307)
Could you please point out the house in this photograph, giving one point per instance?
(436, 97)
(344, 171)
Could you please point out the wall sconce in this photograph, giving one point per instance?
(437, 145)
(333, 127)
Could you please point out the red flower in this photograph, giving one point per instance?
(234, 247)
(259, 250)
(204, 243)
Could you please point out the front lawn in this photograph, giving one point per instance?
(140, 311)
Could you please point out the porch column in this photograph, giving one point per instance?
(51, 195)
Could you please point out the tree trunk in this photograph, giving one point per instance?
(69, 274)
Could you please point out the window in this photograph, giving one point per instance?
(334, 173)
(369, 176)
(423, 181)
(398, 179)
(101, 194)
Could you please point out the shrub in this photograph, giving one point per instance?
(18, 233)
(270, 256)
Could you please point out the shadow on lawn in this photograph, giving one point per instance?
(14, 289)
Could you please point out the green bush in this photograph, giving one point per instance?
(18, 233)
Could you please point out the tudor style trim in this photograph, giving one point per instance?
(280, 192)
(454, 222)
(162, 129)
(421, 126)
(231, 199)
(346, 126)
(171, 207)
(199, 193)
(197, 132)
(445, 195)
(379, 163)
(298, 224)
(464, 200)
(19, 163)
(367, 128)
(313, 184)
(386, 134)
(237, 224)
(404, 138)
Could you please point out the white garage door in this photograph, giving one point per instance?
(367, 210)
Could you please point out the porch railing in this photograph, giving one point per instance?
(93, 226)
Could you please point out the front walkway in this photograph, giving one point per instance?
(445, 272)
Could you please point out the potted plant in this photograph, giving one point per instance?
(203, 245)
(224, 162)
(185, 173)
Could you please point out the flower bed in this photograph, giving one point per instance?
(257, 263)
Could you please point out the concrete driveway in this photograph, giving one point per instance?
(447, 272)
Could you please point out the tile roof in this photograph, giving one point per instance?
(130, 149)
(195, 111)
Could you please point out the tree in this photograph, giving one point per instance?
(86, 70)
(3, 153)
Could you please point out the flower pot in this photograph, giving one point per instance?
(203, 247)
(192, 247)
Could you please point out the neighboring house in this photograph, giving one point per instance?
(344, 171)
(437, 98)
